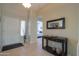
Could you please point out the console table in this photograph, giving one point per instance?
(61, 40)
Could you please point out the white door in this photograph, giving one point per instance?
(11, 31)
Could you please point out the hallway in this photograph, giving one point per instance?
(33, 49)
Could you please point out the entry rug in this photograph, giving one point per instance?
(8, 47)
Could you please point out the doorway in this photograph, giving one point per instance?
(39, 30)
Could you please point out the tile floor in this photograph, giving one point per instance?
(34, 49)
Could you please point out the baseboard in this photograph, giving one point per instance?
(12, 46)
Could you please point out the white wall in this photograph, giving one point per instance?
(78, 31)
(11, 31)
(0, 29)
(11, 16)
(0, 34)
(69, 11)
(32, 27)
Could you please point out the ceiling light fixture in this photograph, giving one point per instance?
(28, 5)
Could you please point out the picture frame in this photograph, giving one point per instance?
(56, 24)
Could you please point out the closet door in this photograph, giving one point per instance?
(11, 31)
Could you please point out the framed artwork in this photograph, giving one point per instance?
(56, 24)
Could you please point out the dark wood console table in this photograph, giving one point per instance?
(61, 40)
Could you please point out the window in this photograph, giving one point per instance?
(22, 27)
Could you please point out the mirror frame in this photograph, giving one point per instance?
(56, 20)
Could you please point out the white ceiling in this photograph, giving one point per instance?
(17, 9)
(35, 6)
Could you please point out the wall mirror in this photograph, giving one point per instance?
(56, 24)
